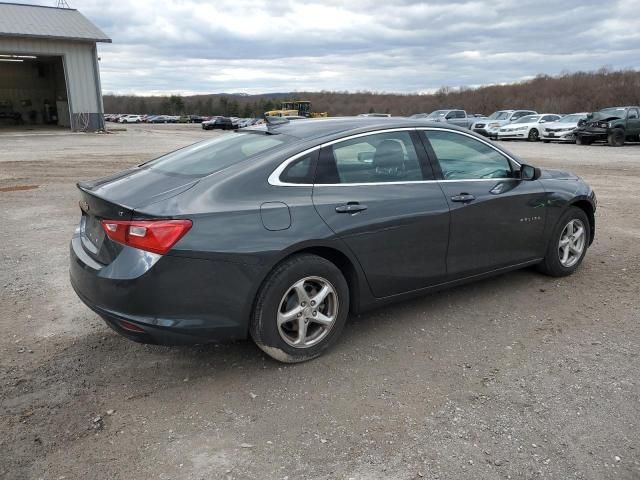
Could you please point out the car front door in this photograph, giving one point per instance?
(378, 194)
(497, 220)
(633, 122)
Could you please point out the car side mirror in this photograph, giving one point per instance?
(529, 173)
(543, 121)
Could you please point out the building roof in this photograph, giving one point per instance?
(18, 20)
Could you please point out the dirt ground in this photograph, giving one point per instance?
(522, 376)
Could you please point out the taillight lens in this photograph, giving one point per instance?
(157, 236)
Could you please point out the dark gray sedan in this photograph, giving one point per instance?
(279, 233)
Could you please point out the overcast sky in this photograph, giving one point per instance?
(212, 46)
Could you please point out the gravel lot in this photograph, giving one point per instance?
(522, 376)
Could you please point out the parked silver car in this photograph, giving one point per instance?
(564, 129)
(490, 126)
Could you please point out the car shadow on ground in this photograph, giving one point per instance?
(131, 360)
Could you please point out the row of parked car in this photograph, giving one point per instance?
(614, 125)
(229, 123)
(134, 118)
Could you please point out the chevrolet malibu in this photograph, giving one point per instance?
(279, 233)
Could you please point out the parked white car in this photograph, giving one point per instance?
(130, 119)
(527, 128)
(563, 129)
(490, 125)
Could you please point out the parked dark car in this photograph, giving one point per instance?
(613, 125)
(225, 123)
(161, 119)
(280, 232)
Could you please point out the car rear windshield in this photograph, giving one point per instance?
(205, 158)
(499, 115)
(528, 119)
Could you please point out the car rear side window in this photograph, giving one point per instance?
(376, 158)
(301, 170)
(207, 157)
(464, 158)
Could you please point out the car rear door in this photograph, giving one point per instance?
(497, 220)
(377, 193)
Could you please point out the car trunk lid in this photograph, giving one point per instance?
(116, 198)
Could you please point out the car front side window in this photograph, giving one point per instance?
(377, 158)
(464, 158)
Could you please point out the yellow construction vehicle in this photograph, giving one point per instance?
(301, 108)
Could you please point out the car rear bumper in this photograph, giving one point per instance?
(172, 299)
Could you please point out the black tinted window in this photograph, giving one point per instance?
(382, 157)
(461, 157)
(211, 156)
(300, 170)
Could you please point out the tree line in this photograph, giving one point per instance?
(565, 93)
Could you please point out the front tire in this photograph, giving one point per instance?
(616, 138)
(301, 309)
(568, 244)
(534, 135)
(583, 140)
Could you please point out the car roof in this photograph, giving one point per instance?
(314, 128)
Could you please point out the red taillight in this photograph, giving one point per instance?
(157, 236)
(131, 327)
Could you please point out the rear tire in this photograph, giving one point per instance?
(285, 307)
(616, 138)
(556, 263)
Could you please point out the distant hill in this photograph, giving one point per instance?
(570, 92)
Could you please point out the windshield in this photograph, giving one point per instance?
(611, 112)
(573, 118)
(438, 113)
(499, 115)
(528, 119)
(210, 156)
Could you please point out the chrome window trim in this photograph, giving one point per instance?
(274, 178)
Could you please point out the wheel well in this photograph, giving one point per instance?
(345, 265)
(588, 209)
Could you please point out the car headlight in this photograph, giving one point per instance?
(493, 125)
(519, 129)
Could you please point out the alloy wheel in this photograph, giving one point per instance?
(307, 312)
(572, 243)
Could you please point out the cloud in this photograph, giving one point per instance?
(192, 46)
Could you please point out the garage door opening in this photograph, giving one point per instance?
(33, 92)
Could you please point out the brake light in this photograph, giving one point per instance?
(157, 236)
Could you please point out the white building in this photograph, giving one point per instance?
(49, 68)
